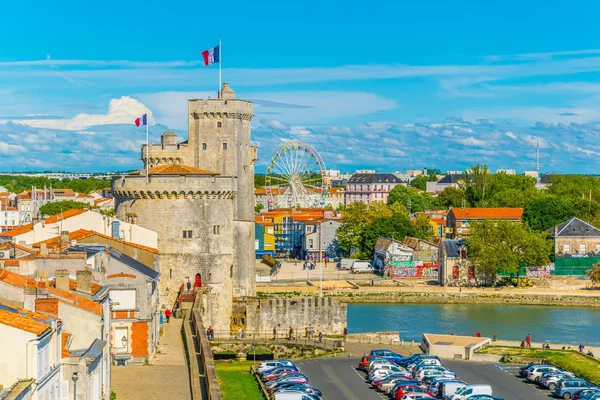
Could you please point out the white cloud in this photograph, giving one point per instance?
(120, 111)
(275, 124)
(511, 135)
(11, 149)
(471, 141)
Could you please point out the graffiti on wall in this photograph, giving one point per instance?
(413, 269)
(539, 272)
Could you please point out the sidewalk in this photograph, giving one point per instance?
(165, 378)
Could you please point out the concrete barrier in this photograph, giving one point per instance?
(210, 372)
(486, 357)
(190, 352)
(263, 388)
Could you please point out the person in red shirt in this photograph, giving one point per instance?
(168, 315)
(528, 340)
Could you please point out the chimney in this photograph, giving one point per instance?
(64, 237)
(84, 281)
(43, 249)
(62, 279)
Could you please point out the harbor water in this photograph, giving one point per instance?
(507, 322)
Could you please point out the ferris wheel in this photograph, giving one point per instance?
(295, 177)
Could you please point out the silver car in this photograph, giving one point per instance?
(550, 380)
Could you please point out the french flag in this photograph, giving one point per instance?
(143, 120)
(211, 56)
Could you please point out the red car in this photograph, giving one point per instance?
(402, 390)
(364, 362)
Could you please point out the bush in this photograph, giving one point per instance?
(224, 355)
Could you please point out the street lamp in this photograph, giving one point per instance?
(75, 378)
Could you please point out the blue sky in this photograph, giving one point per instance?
(390, 85)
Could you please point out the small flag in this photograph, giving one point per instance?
(143, 120)
(211, 56)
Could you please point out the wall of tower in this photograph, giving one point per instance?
(172, 205)
(219, 140)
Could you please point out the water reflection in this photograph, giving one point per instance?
(548, 324)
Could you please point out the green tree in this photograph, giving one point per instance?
(546, 212)
(506, 246)
(475, 183)
(422, 228)
(411, 199)
(511, 191)
(258, 207)
(450, 197)
(61, 206)
(594, 273)
(398, 226)
(420, 182)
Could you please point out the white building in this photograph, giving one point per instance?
(506, 171)
(532, 174)
(73, 220)
(31, 349)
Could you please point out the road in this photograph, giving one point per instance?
(339, 380)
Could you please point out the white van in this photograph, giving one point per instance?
(449, 388)
(465, 392)
(362, 267)
(346, 263)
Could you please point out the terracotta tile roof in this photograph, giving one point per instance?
(81, 234)
(50, 220)
(64, 341)
(73, 286)
(9, 246)
(25, 321)
(65, 215)
(18, 231)
(492, 213)
(177, 169)
(14, 279)
(438, 220)
(64, 192)
(99, 201)
(77, 301)
(48, 306)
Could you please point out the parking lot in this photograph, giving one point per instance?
(338, 379)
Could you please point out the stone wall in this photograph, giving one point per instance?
(324, 314)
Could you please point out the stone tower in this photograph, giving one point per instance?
(198, 197)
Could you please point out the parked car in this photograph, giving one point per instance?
(524, 369)
(406, 389)
(385, 370)
(549, 380)
(447, 389)
(470, 390)
(534, 373)
(362, 267)
(295, 395)
(417, 396)
(301, 388)
(587, 394)
(387, 355)
(272, 364)
(396, 376)
(289, 378)
(363, 364)
(391, 391)
(567, 387)
(277, 371)
(431, 374)
(484, 397)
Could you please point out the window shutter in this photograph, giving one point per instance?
(63, 390)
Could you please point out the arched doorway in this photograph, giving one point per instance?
(198, 281)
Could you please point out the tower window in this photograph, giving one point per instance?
(203, 146)
(224, 146)
(187, 234)
(219, 124)
(216, 229)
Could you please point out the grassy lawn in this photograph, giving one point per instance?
(235, 378)
(569, 360)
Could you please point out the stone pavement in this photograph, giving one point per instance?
(165, 378)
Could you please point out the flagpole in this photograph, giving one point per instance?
(147, 153)
(220, 63)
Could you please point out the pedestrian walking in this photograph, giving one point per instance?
(291, 333)
(274, 333)
(345, 333)
(240, 333)
(209, 333)
(168, 315)
(320, 337)
(528, 340)
(581, 347)
(325, 260)
(189, 285)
